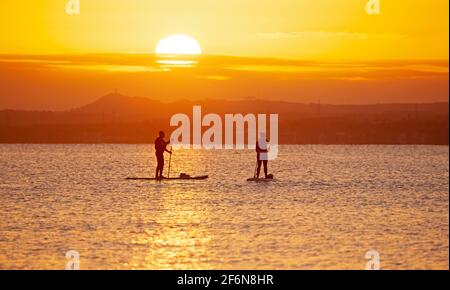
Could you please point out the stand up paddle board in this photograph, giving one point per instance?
(171, 178)
(260, 179)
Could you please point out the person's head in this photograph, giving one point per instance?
(263, 137)
(162, 134)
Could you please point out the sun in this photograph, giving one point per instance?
(178, 44)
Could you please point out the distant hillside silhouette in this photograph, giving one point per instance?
(124, 107)
(116, 118)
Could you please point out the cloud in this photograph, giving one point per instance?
(214, 78)
(64, 81)
(221, 68)
(328, 34)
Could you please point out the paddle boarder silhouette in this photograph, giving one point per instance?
(262, 150)
(160, 148)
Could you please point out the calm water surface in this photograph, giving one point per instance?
(329, 207)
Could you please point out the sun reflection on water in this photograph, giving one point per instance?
(178, 236)
(177, 239)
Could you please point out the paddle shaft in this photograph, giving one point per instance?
(170, 162)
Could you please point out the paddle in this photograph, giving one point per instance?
(170, 161)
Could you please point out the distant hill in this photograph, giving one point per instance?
(124, 107)
(116, 118)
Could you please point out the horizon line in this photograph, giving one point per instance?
(244, 56)
(250, 99)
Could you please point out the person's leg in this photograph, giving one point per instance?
(266, 162)
(160, 169)
(157, 167)
(258, 170)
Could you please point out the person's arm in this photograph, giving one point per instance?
(260, 150)
(168, 151)
(264, 150)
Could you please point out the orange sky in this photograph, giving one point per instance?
(288, 49)
(336, 29)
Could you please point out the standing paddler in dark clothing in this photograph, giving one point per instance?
(262, 150)
(161, 147)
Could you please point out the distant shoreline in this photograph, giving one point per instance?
(118, 119)
(285, 144)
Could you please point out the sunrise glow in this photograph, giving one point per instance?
(178, 44)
